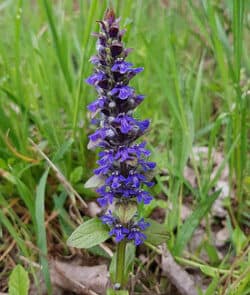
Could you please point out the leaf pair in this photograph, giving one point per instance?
(93, 232)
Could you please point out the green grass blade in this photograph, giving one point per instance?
(11, 229)
(191, 223)
(41, 230)
(87, 32)
(62, 58)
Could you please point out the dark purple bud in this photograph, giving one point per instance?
(116, 49)
(113, 31)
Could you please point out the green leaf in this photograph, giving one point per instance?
(89, 234)
(156, 233)
(76, 174)
(117, 292)
(19, 281)
(187, 229)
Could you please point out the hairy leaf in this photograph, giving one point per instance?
(89, 234)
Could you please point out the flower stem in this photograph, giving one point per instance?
(120, 261)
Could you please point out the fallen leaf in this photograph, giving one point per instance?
(79, 279)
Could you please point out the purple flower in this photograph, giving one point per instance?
(115, 180)
(93, 79)
(142, 224)
(119, 232)
(106, 197)
(143, 125)
(101, 134)
(135, 231)
(108, 218)
(139, 150)
(106, 157)
(103, 169)
(121, 67)
(144, 196)
(125, 122)
(134, 72)
(123, 92)
(136, 235)
(135, 179)
(97, 104)
(122, 154)
(146, 165)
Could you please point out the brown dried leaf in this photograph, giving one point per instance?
(79, 279)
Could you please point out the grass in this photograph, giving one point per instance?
(196, 80)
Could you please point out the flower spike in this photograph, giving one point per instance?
(122, 162)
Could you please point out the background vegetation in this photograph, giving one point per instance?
(196, 79)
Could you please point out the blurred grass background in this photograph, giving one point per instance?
(196, 79)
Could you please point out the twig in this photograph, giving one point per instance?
(177, 275)
(7, 250)
(106, 249)
(30, 263)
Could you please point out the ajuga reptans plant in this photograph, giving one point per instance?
(123, 164)
(121, 178)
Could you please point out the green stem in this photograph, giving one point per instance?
(120, 261)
